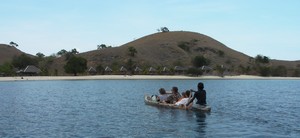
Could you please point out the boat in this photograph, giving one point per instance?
(150, 101)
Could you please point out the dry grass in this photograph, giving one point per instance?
(158, 50)
(7, 53)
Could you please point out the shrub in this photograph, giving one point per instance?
(200, 61)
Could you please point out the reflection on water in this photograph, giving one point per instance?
(200, 118)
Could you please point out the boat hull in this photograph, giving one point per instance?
(148, 101)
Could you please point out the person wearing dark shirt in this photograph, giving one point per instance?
(200, 95)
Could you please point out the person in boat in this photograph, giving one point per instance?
(200, 95)
(174, 97)
(162, 95)
(184, 100)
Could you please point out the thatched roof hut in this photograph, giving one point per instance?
(92, 71)
(152, 70)
(137, 70)
(31, 70)
(108, 70)
(179, 69)
(123, 70)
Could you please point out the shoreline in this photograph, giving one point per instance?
(144, 77)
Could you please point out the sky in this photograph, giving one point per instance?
(267, 27)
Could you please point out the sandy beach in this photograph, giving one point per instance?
(142, 77)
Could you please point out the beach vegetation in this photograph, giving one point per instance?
(130, 65)
(132, 51)
(200, 61)
(100, 69)
(265, 71)
(6, 69)
(220, 70)
(23, 60)
(279, 71)
(76, 65)
(194, 71)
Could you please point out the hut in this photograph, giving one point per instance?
(206, 69)
(137, 70)
(152, 70)
(31, 70)
(108, 70)
(179, 70)
(123, 70)
(165, 70)
(92, 71)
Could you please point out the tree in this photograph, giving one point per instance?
(76, 65)
(265, 71)
(13, 44)
(100, 69)
(23, 61)
(200, 61)
(262, 59)
(164, 29)
(220, 69)
(102, 46)
(74, 51)
(62, 52)
(132, 51)
(130, 65)
(40, 55)
(6, 69)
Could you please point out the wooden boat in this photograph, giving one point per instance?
(149, 101)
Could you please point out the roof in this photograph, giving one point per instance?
(107, 68)
(178, 68)
(92, 69)
(151, 69)
(123, 69)
(31, 69)
(137, 69)
(165, 69)
(206, 68)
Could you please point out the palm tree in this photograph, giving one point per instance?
(132, 51)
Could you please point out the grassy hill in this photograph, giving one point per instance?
(170, 49)
(166, 49)
(7, 53)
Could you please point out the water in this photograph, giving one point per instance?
(115, 108)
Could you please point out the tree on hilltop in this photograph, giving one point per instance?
(13, 44)
(164, 29)
(62, 52)
(102, 46)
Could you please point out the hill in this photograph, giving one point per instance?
(7, 53)
(169, 49)
(164, 49)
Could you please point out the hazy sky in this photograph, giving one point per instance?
(267, 27)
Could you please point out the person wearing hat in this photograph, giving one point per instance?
(200, 95)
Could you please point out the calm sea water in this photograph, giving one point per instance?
(115, 108)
